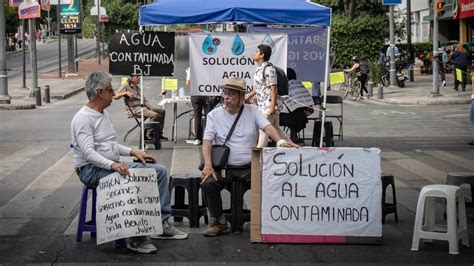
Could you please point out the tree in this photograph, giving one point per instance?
(353, 8)
(11, 18)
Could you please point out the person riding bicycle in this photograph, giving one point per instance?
(361, 71)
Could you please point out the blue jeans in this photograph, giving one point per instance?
(91, 174)
(471, 113)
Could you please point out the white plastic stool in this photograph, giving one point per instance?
(427, 229)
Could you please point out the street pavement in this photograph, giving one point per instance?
(40, 193)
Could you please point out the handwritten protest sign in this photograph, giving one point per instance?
(147, 53)
(214, 58)
(298, 96)
(128, 206)
(308, 193)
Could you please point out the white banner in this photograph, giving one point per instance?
(128, 206)
(321, 192)
(213, 58)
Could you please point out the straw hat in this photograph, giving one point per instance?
(235, 83)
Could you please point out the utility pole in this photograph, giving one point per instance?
(58, 22)
(34, 69)
(434, 62)
(393, 76)
(70, 54)
(4, 97)
(98, 30)
(411, 56)
(23, 30)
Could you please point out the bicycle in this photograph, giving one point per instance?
(351, 86)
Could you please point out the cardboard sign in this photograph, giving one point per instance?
(298, 96)
(336, 77)
(313, 195)
(128, 206)
(29, 9)
(458, 74)
(214, 58)
(147, 54)
(170, 84)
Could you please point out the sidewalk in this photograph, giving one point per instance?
(60, 88)
(419, 93)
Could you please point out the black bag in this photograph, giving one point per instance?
(220, 153)
(364, 68)
(282, 80)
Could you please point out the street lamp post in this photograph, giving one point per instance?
(4, 97)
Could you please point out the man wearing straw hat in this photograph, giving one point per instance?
(242, 140)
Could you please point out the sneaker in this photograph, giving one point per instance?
(170, 232)
(217, 229)
(444, 83)
(141, 247)
(163, 138)
(197, 142)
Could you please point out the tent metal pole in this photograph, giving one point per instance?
(326, 83)
(141, 116)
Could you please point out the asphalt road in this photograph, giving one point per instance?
(39, 193)
(47, 57)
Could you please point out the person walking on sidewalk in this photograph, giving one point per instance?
(265, 87)
(97, 154)
(240, 142)
(131, 90)
(461, 61)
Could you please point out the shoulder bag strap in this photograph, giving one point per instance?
(234, 124)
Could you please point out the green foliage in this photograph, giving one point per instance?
(375, 73)
(122, 16)
(11, 18)
(362, 36)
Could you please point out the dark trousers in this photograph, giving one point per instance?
(363, 80)
(199, 105)
(463, 75)
(211, 189)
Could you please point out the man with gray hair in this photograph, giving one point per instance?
(97, 154)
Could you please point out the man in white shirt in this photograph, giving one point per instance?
(241, 142)
(97, 154)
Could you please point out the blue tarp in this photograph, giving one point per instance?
(287, 12)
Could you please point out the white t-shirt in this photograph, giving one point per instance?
(94, 139)
(245, 135)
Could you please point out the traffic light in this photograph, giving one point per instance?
(440, 8)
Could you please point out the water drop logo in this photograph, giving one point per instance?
(209, 45)
(238, 46)
(269, 41)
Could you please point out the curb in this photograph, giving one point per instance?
(69, 94)
(424, 102)
(17, 107)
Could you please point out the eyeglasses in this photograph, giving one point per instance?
(229, 93)
(109, 89)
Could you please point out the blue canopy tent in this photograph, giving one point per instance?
(280, 12)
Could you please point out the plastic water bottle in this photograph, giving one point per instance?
(173, 94)
(181, 93)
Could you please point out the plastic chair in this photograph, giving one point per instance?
(460, 178)
(89, 226)
(193, 211)
(335, 99)
(156, 141)
(425, 226)
(387, 208)
(236, 214)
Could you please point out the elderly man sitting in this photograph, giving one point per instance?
(97, 154)
(241, 142)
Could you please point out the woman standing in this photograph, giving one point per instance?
(461, 61)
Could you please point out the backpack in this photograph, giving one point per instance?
(282, 80)
(364, 68)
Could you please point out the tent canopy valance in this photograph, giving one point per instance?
(283, 12)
